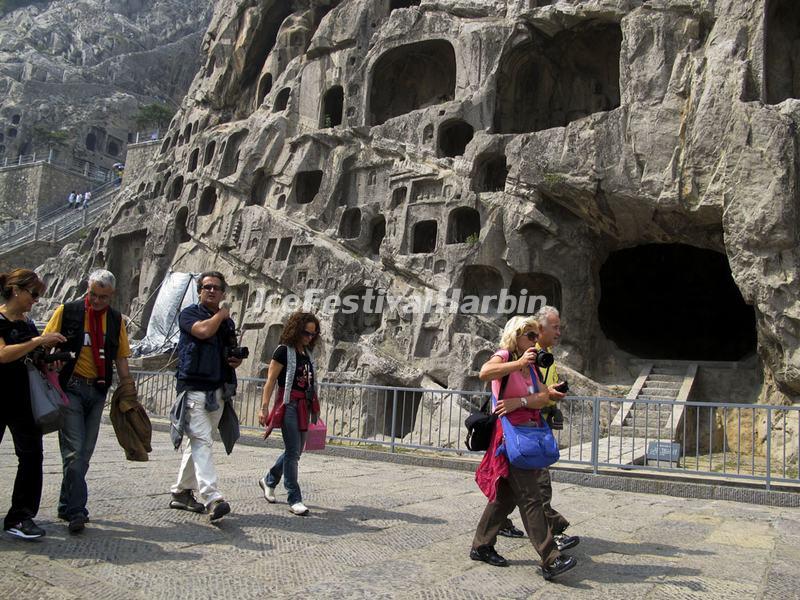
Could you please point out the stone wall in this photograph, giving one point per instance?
(28, 191)
(136, 161)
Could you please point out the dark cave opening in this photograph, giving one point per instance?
(673, 301)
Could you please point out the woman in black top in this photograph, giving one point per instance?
(296, 403)
(19, 291)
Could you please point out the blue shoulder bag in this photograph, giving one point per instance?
(529, 447)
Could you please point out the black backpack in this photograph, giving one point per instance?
(480, 424)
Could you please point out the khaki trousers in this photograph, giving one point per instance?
(522, 489)
(555, 519)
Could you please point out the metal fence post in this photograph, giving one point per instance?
(769, 447)
(394, 419)
(595, 433)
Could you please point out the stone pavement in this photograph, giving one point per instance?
(377, 530)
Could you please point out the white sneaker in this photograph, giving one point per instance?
(299, 508)
(269, 492)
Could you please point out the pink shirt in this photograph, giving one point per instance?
(494, 465)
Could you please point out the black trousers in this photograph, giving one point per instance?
(28, 483)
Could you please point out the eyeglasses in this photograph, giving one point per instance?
(210, 287)
(310, 334)
(531, 335)
(34, 295)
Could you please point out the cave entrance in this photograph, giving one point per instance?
(411, 77)
(306, 185)
(454, 137)
(403, 407)
(463, 225)
(551, 82)
(673, 301)
(782, 33)
(332, 104)
(125, 254)
(491, 172)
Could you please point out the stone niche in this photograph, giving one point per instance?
(411, 77)
(353, 321)
(125, 254)
(782, 68)
(454, 137)
(332, 107)
(263, 41)
(550, 82)
(491, 171)
(463, 225)
(306, 186)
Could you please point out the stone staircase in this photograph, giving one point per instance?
(647, 416)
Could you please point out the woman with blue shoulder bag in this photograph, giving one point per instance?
(521, 449)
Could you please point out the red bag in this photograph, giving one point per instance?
(317, 435)
(52, 377)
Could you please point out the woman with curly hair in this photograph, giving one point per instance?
(296, 403)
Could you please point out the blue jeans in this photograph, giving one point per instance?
(77, 439)
(286, 465)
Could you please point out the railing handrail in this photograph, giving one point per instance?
(433, 420)
(59, 228)
(693, 403)
(82, 167)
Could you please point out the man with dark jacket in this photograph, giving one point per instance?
(206, 379)
(96, 333)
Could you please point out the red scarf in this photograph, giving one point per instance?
(97, 339)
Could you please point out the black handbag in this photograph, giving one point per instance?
(46, 400)
(480, 424)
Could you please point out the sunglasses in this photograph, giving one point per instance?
(531, 335)
(34, 295)
(310, 334)
(210, 287)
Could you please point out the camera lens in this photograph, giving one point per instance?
(544, 359)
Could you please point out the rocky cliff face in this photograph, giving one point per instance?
(634, 162)
(73, 74)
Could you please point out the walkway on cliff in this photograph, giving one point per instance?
(63, 222)
(377, 530)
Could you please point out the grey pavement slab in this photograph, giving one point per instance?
(377, 530)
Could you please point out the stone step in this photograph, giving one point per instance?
(643, 396)
(662, 385)
(627, 432)
(669, 371)
(665, 378)
(651, 424)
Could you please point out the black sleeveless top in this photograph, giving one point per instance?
(14, 375)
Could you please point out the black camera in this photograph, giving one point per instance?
(239, 352)
(233, 349)
(42, 355)
(562, 387)
(544, 359)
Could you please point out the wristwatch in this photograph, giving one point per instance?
(524, 402)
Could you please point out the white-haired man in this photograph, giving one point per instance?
(549, 321)
(96, 333)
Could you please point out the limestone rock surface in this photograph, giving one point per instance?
(427, 147)
(73, 74)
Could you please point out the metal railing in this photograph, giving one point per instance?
(751, 442)
(59, 224)
(74, 165)
(145, 137)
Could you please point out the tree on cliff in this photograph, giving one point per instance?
(155, 114)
